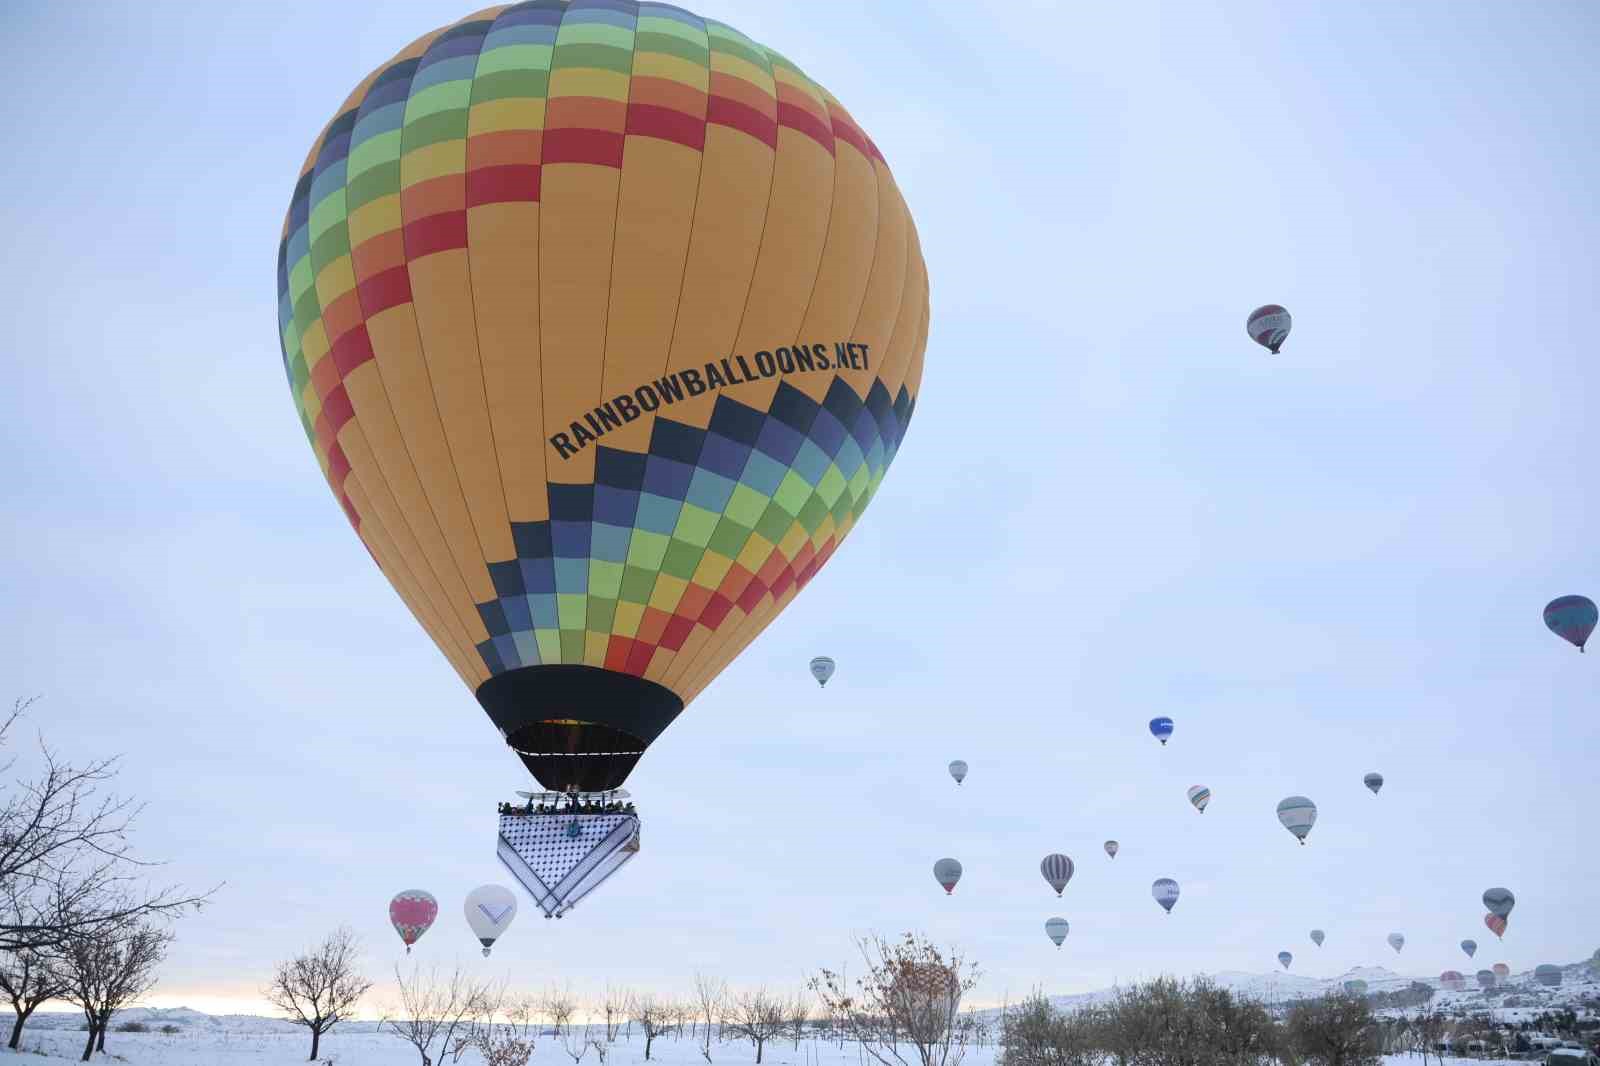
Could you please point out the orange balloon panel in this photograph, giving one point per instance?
(605, 323)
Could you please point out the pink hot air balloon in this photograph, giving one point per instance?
(411, 913)
(1496, 924)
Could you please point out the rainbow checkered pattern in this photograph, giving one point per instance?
(510, 233)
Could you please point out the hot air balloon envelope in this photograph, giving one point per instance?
(1317, 936)
(1284, 958)
(1199, 795)
(1057, 870)
(1374, 781)
(1397, 941)
(490, 910)
(1499, 901)
(1161, 729)
(1165, 892)
(1298, 815)
(1470, 947)
(1056, 929)
(1486, 979)
(1496, 924)
(598, 392)
(1452, 980)
(1112, 847)
(1547, 974)
(1572, 618)
(947, 872)
(411, 913)
(958, 770)
(1501, 970)
(1268, 326)
(822, 668)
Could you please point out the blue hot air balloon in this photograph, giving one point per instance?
(1161, 729)
(1572, 618)
(1165, 891)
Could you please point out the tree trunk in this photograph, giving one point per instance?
(88, 1047)
(647, 1039)
(316, 1038)
(100, 1041)
(16, 1030)
(758, 1051)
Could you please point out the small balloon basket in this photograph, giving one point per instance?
(560, 856)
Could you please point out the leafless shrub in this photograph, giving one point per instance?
(438, 1012)
(911, 992)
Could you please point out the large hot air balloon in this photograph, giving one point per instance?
(958, 770)
(604, 322)
(1499, 901)
(1112, 847)
(1268, 325)
(411, 913)
(1397, 941)
(1572, 618)
(1056, 929)
(1496, 924)
(1547, 974)
(947, 872)
(1161, 729)
(1501, 970)
(1199, 795)
(1470, 947)
(490, 910)
(1317, 936)
(1284, 959)
(1298, 815)
(1374, 781)
(1486, 979)
(1453, 980)
(822, 669)
(1165, 892)
(1057, 869)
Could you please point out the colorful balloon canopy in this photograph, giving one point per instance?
(1199, 795)
(1298, 815)
(1501, 970)
(947, 872)
(1284, 959)
(958, 770)
(1374, 781)
(1161, 729)
(1057, 869)
(1453, 980)
(490, 910)
(1496, 924)
(1397, 941)
(604, 322)
(1165, 892)
(1056, 929)
(1317, 936)
(1547, 974)
(1112, 847)
(822, 669)
(1572, 618)
(1499, 901)
(1486, 979)
(412, 913)
(1268, 325)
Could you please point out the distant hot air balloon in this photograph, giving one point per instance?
(411, 913)
(1355, 988)
(1572, 618)
(1285, 959)
(1056, 929)
(1161, 729)
(1496, 924)
(1547, 974)
(958, 770)
(1452, 980)
(1373, 781)
(1501, 970)
(1470, 947)
(1317, 936)
(1199, 795)
(1268, 326)
(1057, 869)
(490, 910)
(1298, 815)
(1165, 892)
(1499, 901)
(947, 872)
(822, 669)
(1486, 979)
(1112, 847)
(1397, 941)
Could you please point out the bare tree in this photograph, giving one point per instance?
(797, 1012)
(655, 1018)
(1335, 1030)
(505, 1037)
(911, 991)
(107, 967)
(757, 1017)
(615, 1004)
(558, 1005)
(1429, 1028)
(711, 994)
(29, 979)
(438, 1011)
(574, 1038)
(320, 988)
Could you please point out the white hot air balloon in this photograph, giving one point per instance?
(947, 872)
(1165, 892)
(1268, 325)
(958, 770)
(1199, 795)
(490, 910)
(1397, 941)
(1056, 929)
(822, 668)
(1298, 815)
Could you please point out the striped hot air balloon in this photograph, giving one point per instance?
(1268, 326)
(1298, 815)
(822, 669)
(1057, 870)
(1496, 924)
(1056, 930)
(958, 770)
(1165, 892)
(947, 872)
(1572, 618)
(1199, 795)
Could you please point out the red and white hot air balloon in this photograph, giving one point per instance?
(1268, 325)
(411, 913)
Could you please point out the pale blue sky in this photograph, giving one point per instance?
(1110, 505)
